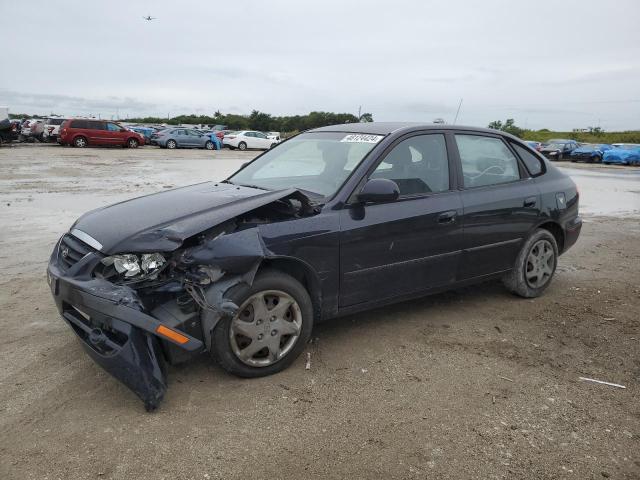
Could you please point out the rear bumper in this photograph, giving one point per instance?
(113, 329)
(572, 232)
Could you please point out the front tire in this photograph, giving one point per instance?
(80, 142)
(209, 145)
(270, 330)
(242, 146)
(535, 265)
(133, 143)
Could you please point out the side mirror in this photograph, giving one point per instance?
(379, 190)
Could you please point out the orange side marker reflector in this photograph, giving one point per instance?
(171, 334)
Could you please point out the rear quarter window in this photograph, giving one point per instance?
(78, 124)
(534, 165)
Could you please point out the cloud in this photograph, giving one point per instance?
(412, 61)
(26, 102)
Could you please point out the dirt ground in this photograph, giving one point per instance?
(473, 383)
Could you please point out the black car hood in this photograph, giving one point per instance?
(160, 222)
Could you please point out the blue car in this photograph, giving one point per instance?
(214, 138)
(146, 132)
(623, 154)
(590, 152)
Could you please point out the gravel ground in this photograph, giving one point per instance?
(473, 383)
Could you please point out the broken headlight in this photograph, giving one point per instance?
(134, 267)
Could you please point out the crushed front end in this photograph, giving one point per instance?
(127, 332)
(160, 300)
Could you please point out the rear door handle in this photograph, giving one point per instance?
(447, 217)
(530, 202)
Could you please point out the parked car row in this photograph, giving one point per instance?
(564, 149)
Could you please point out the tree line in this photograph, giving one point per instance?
(261, 121)
(588, 135)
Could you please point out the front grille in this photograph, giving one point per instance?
(71, 250)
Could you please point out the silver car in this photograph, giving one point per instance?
(182, 138)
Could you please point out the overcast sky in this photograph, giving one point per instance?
(555, 64)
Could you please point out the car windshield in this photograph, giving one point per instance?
(316, 162)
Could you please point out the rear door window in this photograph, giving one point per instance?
(96, 125)
(486, 161)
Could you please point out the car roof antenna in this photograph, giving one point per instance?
(457, 112)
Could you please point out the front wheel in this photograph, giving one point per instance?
(132, 143)
(209, 145)
(242, 146)
(270, 330)
(535, 265)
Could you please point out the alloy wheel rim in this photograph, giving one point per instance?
(540, 264)
(266, 328)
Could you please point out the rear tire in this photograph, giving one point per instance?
(80, 142)
(242, 146)
(535, 265)
(171, 144)
(226, 344)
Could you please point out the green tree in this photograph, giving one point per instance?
(508, 126)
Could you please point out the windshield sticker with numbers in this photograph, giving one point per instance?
(360, 138)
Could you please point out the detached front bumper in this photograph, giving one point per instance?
(113, 327)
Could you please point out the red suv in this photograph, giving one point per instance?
(80, 133)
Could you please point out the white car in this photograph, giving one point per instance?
(274, 136)
(32, 128)
(52, 129)
(248, 139)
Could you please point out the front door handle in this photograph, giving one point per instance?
(530, 202)
(447, 217)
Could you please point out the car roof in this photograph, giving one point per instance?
(385, 128)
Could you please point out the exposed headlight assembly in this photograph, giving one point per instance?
(134, 267)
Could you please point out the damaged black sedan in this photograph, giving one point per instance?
(333, 221)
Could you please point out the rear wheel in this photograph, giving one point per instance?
(270, 330)
(535, 265)
(209, 145)
(242, 146)
(132, 143)
(80, 142)
(172, 144)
